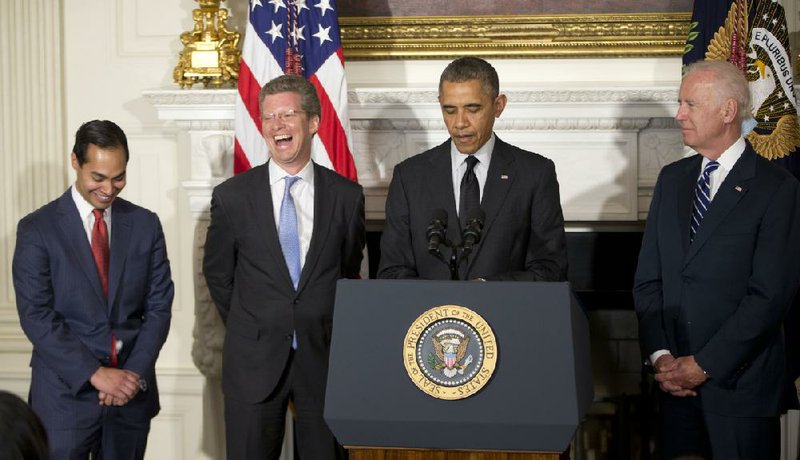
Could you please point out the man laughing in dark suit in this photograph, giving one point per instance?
(717, 272)
(281, 235)
(517, 192)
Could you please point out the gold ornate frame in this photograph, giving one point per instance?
(514, 36)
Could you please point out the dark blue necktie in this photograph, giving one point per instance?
(702, 198)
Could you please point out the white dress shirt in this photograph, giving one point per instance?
(303, 196)
(85, 210)
(726, 161)
(459, 167)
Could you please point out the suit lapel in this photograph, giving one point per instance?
(324, 203)
(441, 193)
(121, 227)
(71, 226)
(263, 213)
(499, 180)
(733, 189)
(684, 194)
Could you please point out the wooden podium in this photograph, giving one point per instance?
(530, 408)
(420, 454)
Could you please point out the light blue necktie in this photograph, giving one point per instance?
(702, 198)
(287, 231)
(287, 234)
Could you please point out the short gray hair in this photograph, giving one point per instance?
(729, 83)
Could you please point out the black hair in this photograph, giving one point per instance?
(102, 133)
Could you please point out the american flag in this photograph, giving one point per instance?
(299, 37)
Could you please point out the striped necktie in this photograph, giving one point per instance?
(702, 198)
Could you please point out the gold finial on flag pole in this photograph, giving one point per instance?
(210, 51)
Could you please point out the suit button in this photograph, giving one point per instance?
(288, 336)
(296, 301)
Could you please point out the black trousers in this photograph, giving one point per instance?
(255, 431)
(687, 430)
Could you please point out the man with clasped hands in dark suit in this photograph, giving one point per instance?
(272, 259)
(523, 229)
(94, 294)
(715, 280)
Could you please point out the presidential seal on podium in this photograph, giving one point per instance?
(450, 352)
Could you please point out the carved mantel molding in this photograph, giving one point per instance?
(620, 134)
(608, 144)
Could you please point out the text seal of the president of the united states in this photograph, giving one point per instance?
(450, 352)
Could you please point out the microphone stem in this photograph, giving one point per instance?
(453, 263)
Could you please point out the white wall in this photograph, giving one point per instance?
(63, 62)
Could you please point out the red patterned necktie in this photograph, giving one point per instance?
(100, 253)
(100, 248)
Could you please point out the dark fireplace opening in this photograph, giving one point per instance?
(601, 269)
(601, 266)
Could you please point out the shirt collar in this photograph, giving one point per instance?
(729, 157)
(276, 173)
(483, 154)
(84, 207)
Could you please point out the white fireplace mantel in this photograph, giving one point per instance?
(608, 143)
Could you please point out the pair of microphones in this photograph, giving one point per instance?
(436, 233)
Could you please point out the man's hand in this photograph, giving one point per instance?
(115, 386)
(679, 376)
(107, 400)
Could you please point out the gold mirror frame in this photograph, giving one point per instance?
(514, 36)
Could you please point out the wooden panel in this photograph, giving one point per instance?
(421, 454)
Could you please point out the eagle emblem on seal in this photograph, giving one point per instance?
(450, 346)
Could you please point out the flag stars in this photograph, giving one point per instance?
(774, 21)
(254, 4)
(323, 35)
(275, 31)
(766, 118)
(278, 4)
(765, 17)
(301, 5)
(324, 6)
(786, 106)
(299, 34)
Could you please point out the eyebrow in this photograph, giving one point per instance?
(97, 175)
(467, 105)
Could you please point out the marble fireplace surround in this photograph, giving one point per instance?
(608, 144)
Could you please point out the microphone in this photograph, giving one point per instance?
(472, 232)
(436, 232)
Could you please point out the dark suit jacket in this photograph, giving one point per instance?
(723, 298)
(251, 287)
(65, 315)
(523, 233)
